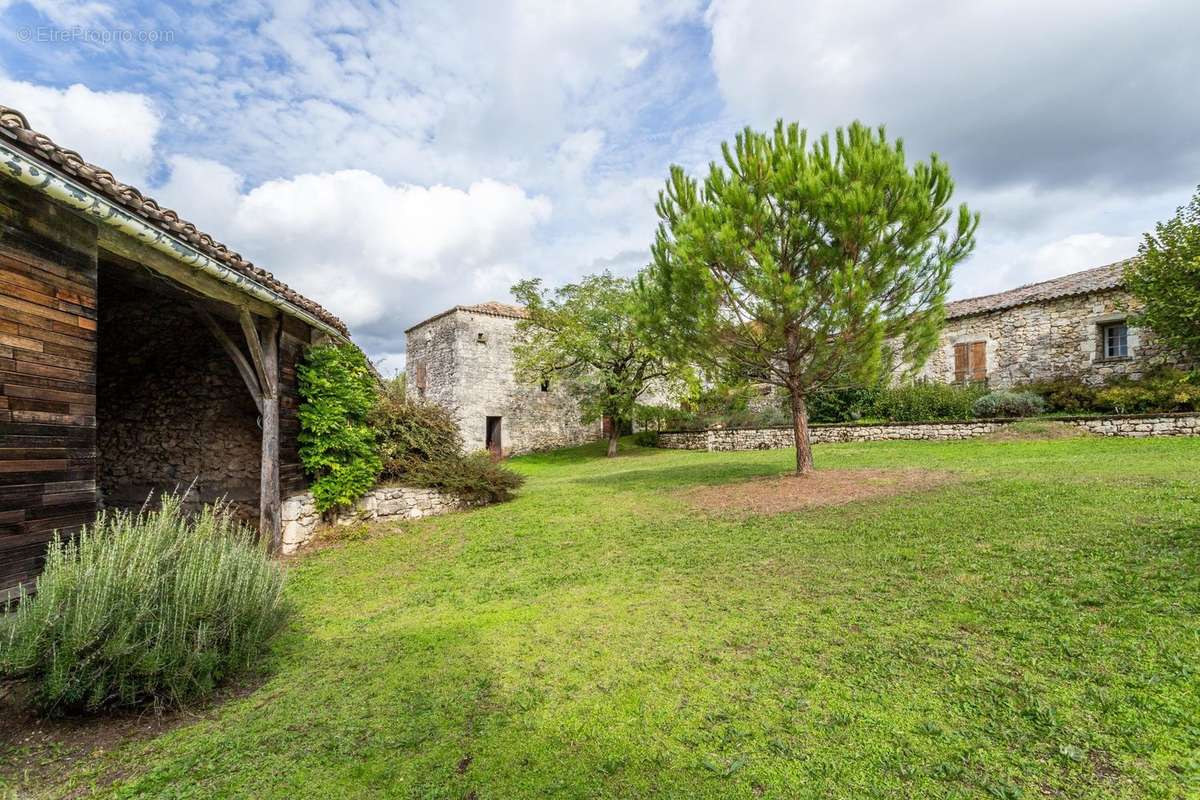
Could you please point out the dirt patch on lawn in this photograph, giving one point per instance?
(1034, 430)
(36, 752)
(832, 487)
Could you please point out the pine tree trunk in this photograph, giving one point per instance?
(804, 458)
(614, 433)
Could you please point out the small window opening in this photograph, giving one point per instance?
(545, 384)
(481, 338)
(1115, 340)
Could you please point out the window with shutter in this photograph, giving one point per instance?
(979, 361)
(970, 362)
(420, 378)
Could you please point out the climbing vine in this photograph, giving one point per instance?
(337, 445)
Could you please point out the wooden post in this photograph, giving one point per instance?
(269, 522)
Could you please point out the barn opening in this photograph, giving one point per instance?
(172, 412)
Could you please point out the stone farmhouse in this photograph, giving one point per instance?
(1074, 326)
(137, 355)
(462, 359)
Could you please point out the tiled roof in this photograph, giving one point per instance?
(1098, 279)
(15, 128)
(491, 308)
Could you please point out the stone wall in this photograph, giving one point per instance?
(387, 503)
(467, 362)
(730, 439)
(171, 407)
(1052, 339)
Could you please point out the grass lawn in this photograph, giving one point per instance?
(1028, 628)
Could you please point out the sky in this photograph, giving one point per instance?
(392, 160)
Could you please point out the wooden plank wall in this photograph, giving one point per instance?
(47, 378)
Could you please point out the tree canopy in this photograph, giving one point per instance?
(587, 335)
(1166, 278)
(800, 266)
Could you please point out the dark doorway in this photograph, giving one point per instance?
(494, 445)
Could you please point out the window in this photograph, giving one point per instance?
(970, 362)
(481, 338)
(1114, 339)
(545, 384)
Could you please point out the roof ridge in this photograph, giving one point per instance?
(1028, 293)
(15, 126)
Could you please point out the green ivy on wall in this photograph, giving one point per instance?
(337, 446)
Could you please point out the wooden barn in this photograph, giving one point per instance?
(137, 355)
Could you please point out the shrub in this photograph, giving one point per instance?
(475, 478)
(1164, 390)
(148, 608)
(337, 446)
(1009, 404)
(411, 432)
(1070, 395)
(646, 438)
(927, 401)
(844, 404)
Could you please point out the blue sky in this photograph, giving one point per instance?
(392, 160)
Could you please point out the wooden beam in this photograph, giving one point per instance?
(256, 353)
(269, 520)
(129, 249)
(243, 366)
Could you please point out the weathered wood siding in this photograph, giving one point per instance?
(47, 378)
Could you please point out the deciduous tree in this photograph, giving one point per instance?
(797, 264)
(1166, 278)
(586, 334)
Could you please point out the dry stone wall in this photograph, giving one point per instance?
(465, 361)
(731, 439)
(1051, 339)
(301, 519)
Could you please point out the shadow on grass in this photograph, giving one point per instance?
(704, 473)
(593, 451)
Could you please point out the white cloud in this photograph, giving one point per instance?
(115, 130)
(360, 246)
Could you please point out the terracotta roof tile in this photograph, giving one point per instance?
(1098, 279)
(15, 128)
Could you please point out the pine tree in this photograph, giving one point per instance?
(800, 266)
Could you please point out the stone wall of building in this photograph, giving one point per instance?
(466, 360)
(1050, 339)
(172, 410)
(731, 439)
(385, 504)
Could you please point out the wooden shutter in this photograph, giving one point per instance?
(962, 360)
(420, 375)
(979, 361)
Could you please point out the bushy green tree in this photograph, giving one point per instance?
(587, 335)
(797, 264)
(1166, 278)
(337, 445)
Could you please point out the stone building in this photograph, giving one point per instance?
(1074, 326)
(138, 355)
(462, 359)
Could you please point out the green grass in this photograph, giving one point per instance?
(1030, 630)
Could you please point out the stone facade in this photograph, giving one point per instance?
(1053, 338)
(384, 504)
(463, 361)
(731, 439)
